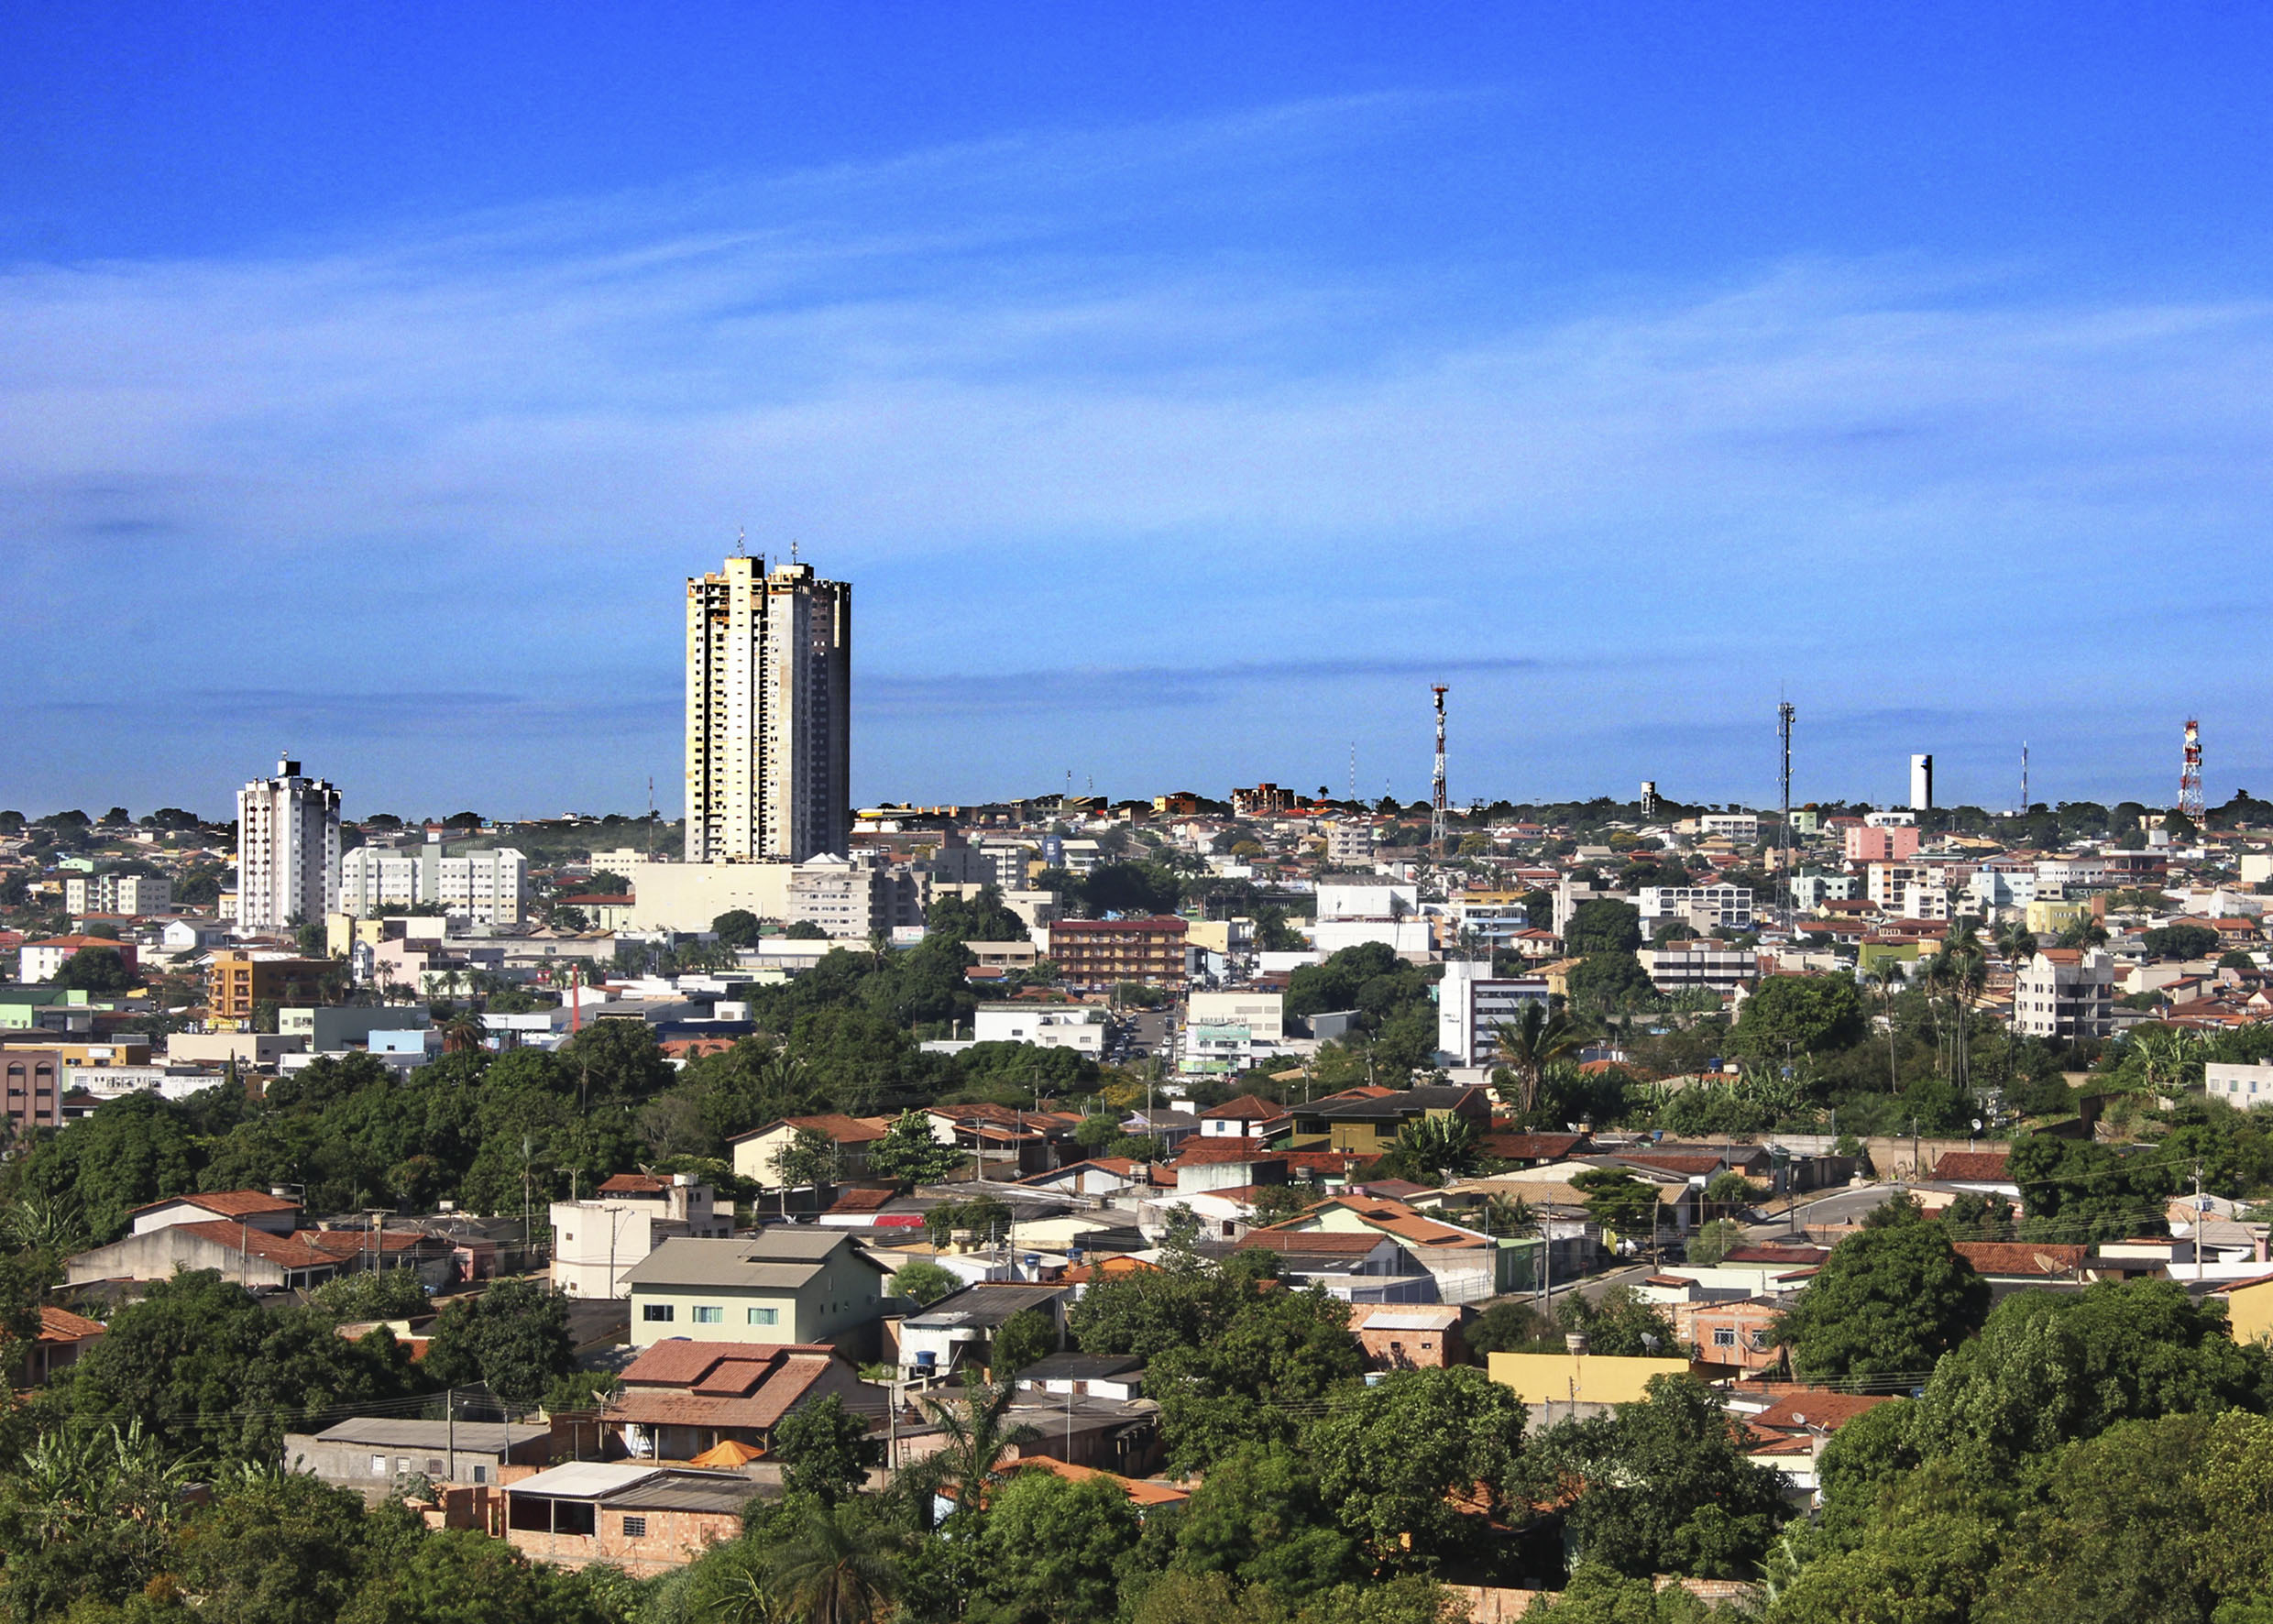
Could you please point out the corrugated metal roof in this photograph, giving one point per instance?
(584, 1480)
(485, 1437)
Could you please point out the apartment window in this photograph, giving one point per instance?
(481, 1474)
(658, 1313)
(765, 1316)
(710, 1316)
(1725, 1336)
(636, 1528)
(378, 1465)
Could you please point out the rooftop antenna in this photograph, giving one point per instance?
(2024, 778)
(1436, 783)
(651, 818)
(742, 543)
(2190, 773)
(793, 549)
(1353, 770)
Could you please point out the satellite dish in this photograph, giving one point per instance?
(1799, 1418)
(1649, 1341)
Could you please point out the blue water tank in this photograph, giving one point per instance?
(926, 1359)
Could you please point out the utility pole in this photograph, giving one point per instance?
(2200, 1224)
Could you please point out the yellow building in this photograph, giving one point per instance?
(1580, 1378)
(236, 982)
(2048, 919)
(2249, 1308)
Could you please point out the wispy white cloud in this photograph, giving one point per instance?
(1019, 395)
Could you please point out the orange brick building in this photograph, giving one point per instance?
(1096, 954)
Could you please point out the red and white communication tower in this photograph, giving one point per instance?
(2189, 773)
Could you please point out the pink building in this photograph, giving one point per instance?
(1881, 845)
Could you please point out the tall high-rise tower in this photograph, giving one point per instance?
(769, 713)
(1436, 781)
(287, 851)
(1921, 784)
(2189, 772)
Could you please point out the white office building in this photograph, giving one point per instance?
(769, 714)
(1077, 1027)
(1471, 1003)
(2066, 993)
(287, 851)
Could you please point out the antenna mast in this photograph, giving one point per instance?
(1784, 832)
(2024, 778)
(1436, 783)
(2190, 773)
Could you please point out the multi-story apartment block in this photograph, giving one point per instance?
(1741, 827)
(598, 1242)
(769, 714)
(1471, 1003)
(1349, 844)
(32, 1094)
(117, 894)
(1879, 845)
(287, 851)
(489, 887)
(1708, 907)
(853, 897)
(1098, 953)
(2067, 994)
(1691, 966)
(236, 980)
(1888, 882)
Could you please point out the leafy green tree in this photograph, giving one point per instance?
(1609, 982)
(1714, 1240)
(2079, 1192)
(275, 1548)
(205, 1369)
(1619, 1324)
(1925, 1558)
(1505, 1327)
(87, 1517)
(1598, 1595)
(1617, 1200)
(980, 918)
(1055, 1551)
(2049, 1368)
(1025, 1338)
(910, 1153)
(95, 970)
(1801, 1014)
(457, 1575)
(123, 1154)
(1889, 1300)
(1664, 1485)
(1147, 1312)
(1602, 926)
(736, 927)
(924, 1281)
(2180, 941)
(1398, 1460)
(1279, 1351)
(374, 1294)
(825, 1451)
(513, 1338)
(1261, 1517)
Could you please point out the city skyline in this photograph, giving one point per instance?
(1182, 424)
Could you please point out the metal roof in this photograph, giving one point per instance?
(484, 1437)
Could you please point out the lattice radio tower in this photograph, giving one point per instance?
(2190, 773)
(1436, 783)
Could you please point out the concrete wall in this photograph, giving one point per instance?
(688, 896)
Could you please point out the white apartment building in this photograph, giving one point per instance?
(1896, 819)
(2066, 993)
(1741, 827)
(1923, 900)
(1708, 907)
(117, 894)
(1077, 1027)
(287, 851)
(1702, 965)
(769, 714)
(1377, 898)
(1471, 1002)
(489, 887)
(1812, 891)
(1490, 921)
(1349, 844)
(1994, 887)
(852, 898)
(597, 1242)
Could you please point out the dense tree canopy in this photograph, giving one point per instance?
(1890, 1299)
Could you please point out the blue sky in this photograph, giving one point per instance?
(1183, 387)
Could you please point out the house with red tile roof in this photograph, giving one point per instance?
(756, 1152)
(680, 1397)
(63, 1336)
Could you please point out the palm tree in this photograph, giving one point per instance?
(1530, 1044)
(1444, 1144)
(977, 1435)
(1883, 980)
(463, 1034)
(2016, 944)
(842, 1565)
